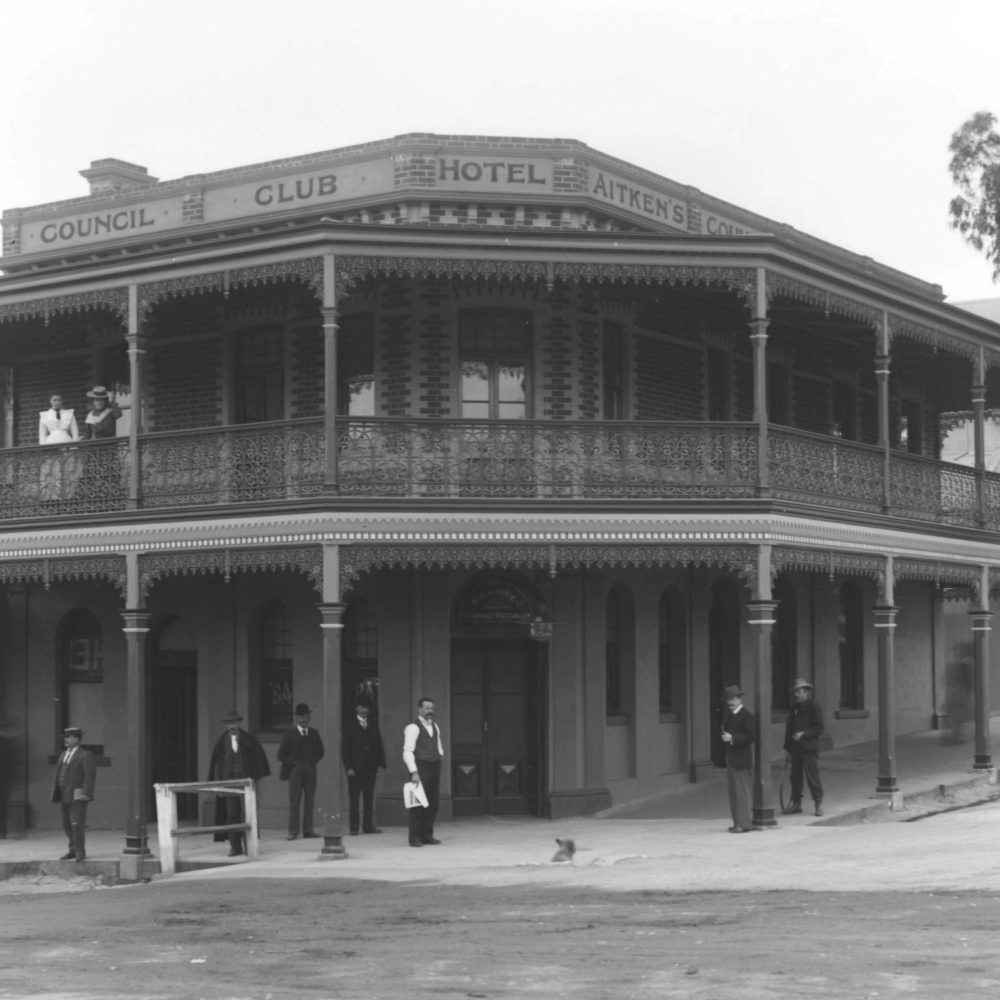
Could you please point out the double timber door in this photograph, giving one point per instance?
(496, 720)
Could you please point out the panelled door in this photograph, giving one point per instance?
(174, 733)
(495, 722)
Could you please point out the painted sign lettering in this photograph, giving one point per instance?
(490, 171)
(94, 226)
(300, 189)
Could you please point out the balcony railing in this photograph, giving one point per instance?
(483, 460)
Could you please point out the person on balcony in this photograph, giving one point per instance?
(103, 416)
(57, 425)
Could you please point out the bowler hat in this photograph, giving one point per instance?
(733, 691)
(232, 716)
(98, 392)
(302, 709)
(72, 731)
(801, 682)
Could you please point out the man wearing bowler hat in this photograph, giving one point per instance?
(738, 739)
(73, 788)
(236, 754)
(803, 728)
(301, 749)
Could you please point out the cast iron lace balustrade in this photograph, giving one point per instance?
(489, 460)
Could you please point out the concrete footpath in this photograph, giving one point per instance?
(675, 840)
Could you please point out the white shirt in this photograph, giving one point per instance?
(410, 734)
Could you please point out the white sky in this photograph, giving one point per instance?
(833, 116)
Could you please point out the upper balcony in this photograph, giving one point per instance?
(386, 462)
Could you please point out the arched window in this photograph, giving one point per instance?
(360, 657)
(784, 655)
(82, 677)
(276, 668)
(619, 651)
(850, 639)
(672, 650)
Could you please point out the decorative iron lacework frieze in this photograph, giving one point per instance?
(351, 270)
(226, 562)
(827, 561)
(935, 338)
(114, 299)
(964, 576)
(308, 270)
(48, 571)
(358, 559)
(778, 285)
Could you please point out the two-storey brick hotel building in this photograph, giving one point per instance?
(507, 422)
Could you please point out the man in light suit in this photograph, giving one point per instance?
(301, 749)
(73, 788)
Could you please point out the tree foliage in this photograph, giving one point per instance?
(975, 169)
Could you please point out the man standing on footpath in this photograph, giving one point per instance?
(73, 788)
(236, 754)
(422, 755)
(363, 753)
(738, 737)
(803, 728)
(300, 750)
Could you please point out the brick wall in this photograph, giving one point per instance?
(308, 363)
(184, 384)
(435, 351)
(396, 344)
(669, 380)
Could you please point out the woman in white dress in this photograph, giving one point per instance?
(57, 425)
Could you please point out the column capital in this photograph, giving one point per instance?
(761, 612)
(332, 614)
(759, 325)
(885, 616)
(136, 619)
(981, 621)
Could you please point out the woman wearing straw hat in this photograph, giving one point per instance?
(101, 420)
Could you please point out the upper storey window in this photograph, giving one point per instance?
(495, 348)
(356, 365)
(259, 375)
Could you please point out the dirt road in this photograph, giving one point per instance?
(352, 940)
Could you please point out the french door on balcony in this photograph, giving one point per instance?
(496, 714)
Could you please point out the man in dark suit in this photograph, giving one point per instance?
(738, 737)
(236, 754)
(301, 749)
(803, 728)
(363, 754)
(73, 788)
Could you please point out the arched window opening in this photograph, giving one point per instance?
(850, 639)
(82, 677)
(361, 675)
(784, 652)
(276, 668)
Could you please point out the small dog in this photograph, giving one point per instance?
(567, 848)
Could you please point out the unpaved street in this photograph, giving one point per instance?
(280, 939)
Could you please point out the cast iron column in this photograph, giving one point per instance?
(979, 439)
(885, 623)
(761, 618)
(882, 383)
(331, 799)
(981, 628)
(136, 629)
(136, 356)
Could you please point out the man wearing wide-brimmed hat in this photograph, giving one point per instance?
(236, 754)
(803, 728)
(73, 788)
(738, 736)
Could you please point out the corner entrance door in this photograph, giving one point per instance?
(174, 755)
(496, 737)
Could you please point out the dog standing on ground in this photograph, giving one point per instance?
(567, 848)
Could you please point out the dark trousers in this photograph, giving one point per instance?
(740, 788)
(301, 799)
(422, 818)
(361, 800)
(74, 820)
(805, 763)
(233, 811)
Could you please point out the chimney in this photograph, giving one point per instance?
(115, 176)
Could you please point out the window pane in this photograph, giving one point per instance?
(475, 381)
(511, 383)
